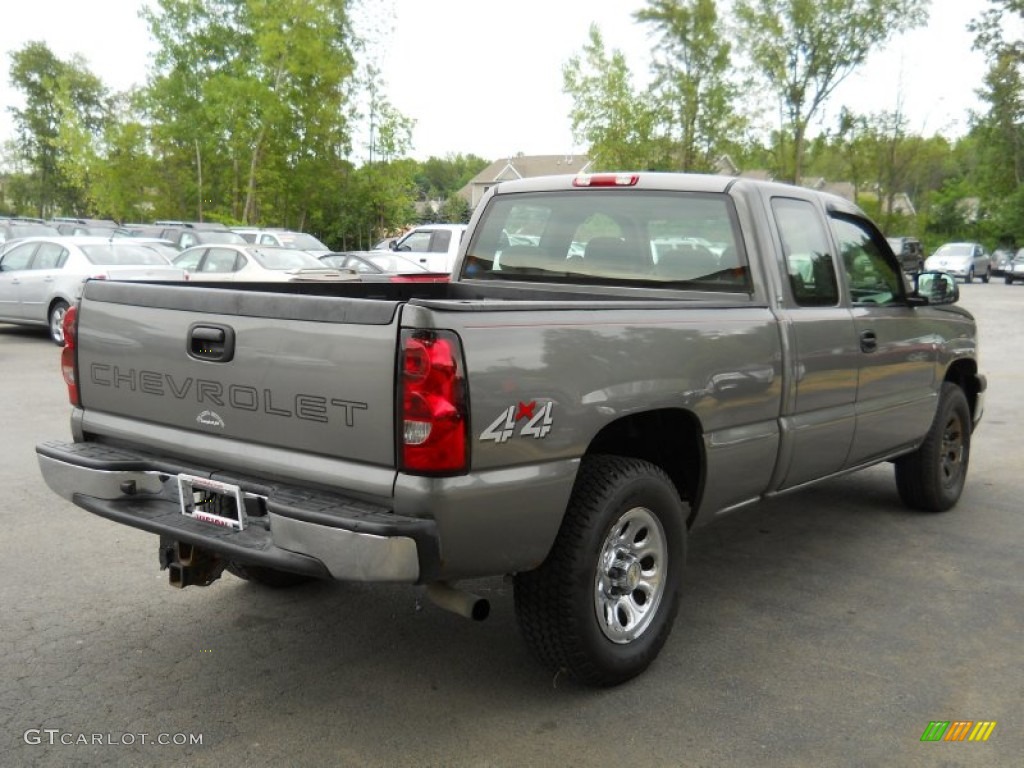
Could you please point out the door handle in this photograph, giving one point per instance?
(868, 341)
(211, 343)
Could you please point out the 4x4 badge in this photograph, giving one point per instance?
(538, 422)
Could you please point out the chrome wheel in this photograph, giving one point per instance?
(631, 573)
(952, 452)
(57, 322)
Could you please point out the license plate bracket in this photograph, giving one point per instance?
(212, 501)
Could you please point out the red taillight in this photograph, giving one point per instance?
(424, 278)
(606, 180)
(68, 363)
(433, 418)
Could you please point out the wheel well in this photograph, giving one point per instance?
(963, 373)
(56, 300)
(669, 438)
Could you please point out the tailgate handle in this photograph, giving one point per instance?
(212, 343)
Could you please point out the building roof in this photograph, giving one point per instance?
(521, 167)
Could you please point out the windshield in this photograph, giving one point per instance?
(302, 241)
(221, 237)
(601, 236)
(285, 258)
(122, 252)
(389, 262)
(955, 249)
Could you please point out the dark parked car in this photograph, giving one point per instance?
(199, 233)
(74, 226)
(909, 252)
(12, 229)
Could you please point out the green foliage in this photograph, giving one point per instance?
(694, 95)
(803, 49)
(57, 131)
(617, 122)
(443, 177)
(249, 95)
(455, 210)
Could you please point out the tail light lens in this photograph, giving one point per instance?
(68, 358)
(434, 419)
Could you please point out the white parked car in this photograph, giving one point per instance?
(255, 263)
(964, 260)
(40, 277)
(284, 238)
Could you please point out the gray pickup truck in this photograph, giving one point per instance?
(617, 359)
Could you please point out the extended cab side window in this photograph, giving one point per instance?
(871, 278)
(808, 257)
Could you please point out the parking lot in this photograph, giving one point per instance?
(827, 628)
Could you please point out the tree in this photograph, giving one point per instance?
(692, 79)
(65, 111)
(1001, 130)
(616, 122)
(247, 95)
(805, 48)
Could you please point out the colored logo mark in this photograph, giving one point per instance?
(958, 730)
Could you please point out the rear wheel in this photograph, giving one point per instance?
(987, 276)
(268, 577)
(932, 478)
(56, 320)
(602, 604)
(1008, 280)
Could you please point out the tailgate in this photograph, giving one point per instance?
(311, 373)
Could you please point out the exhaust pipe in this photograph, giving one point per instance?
(466, 604)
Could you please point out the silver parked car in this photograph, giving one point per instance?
(1015, 268)
(40, 277)
(963, 260)
(255, 263)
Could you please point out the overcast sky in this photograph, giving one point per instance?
(485, 77)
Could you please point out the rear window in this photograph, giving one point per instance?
(122, 252)
(636, 237)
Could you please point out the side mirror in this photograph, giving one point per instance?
(393, 245)
(936, 287)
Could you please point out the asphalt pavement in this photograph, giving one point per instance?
(825, 628)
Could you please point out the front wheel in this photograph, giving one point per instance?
(987, 276)
(969, 278)
(932, 477)
(57, 312)
(602, 604)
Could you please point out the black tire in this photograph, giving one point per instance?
(1008, 280)
(932, 478)
(268, 577)
(602, 604)
(56, 321)
(970, 276)
(987, 276)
